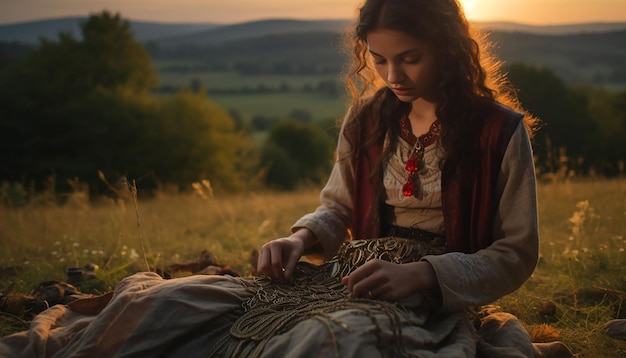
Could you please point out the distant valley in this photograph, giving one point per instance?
(30, 32)
(593, 53)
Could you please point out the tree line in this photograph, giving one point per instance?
(74, 108)
(77, 108)
(582, 127)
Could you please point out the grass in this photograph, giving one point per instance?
(581, 273)
(582, 267)
(271, 105)
(281, 105)
(234, 81)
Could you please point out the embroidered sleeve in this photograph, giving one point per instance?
(502, 267)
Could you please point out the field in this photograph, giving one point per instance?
(581, 273)
(281, 105)
(269, 96)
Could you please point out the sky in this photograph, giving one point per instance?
(532, 12)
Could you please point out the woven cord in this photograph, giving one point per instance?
(314, 293)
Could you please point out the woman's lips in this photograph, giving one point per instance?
(402, 91)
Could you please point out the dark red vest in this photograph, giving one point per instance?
(468, 192)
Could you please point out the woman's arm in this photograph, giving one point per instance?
(501, 268)
(319, 232)
(329, 222)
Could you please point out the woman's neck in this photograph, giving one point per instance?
(422, 115)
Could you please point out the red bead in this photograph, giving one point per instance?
(412, 164)
(407, 188)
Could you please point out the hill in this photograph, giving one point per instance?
(226, 33)
(586, 57)
(209, 33)
(590, 53)
(30, 32)
(567, 29)
(596, 58)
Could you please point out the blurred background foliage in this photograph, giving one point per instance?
(75, 106)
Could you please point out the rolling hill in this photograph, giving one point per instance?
(210, 33)
(589, 53)
(30, 32)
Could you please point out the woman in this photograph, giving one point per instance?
(428, 153)
(433, 181)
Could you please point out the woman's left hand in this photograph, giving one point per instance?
(388, 281)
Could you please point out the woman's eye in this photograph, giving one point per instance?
(412, 60)
(379, 61)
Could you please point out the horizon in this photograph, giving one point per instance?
(526, 12)
(166, 22)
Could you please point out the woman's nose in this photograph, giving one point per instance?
(394, 74)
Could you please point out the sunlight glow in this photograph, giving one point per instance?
(469, 8)
(538, 12)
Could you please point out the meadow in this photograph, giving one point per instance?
(579, 284)
(279, 97)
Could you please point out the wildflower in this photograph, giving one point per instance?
(133, 254)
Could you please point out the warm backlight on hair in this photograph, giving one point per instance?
(469, 6)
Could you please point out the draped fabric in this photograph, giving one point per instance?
(468, 193)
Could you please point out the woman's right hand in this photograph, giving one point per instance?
(278, 258)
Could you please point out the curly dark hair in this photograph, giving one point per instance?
(469, 74)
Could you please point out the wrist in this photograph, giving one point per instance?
(306, 236)
(425, 276)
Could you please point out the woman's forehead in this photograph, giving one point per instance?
(394, 41)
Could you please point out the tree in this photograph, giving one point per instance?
(192, 139)
(45, 116)
(608, 111)
(296, 153)
(107, 58)
(114, 58)
(74, 107)
(566, 124)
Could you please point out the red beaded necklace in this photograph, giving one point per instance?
(415, 163)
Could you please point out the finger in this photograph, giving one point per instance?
(359, 275)
(277, 262)
(263, 262)
(290, 266)
(377, 293)
(369, 286)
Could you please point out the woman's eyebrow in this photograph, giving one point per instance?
(404, 53)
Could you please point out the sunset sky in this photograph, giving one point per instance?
(536, 12)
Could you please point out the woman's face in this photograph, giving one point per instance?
(406, 64)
